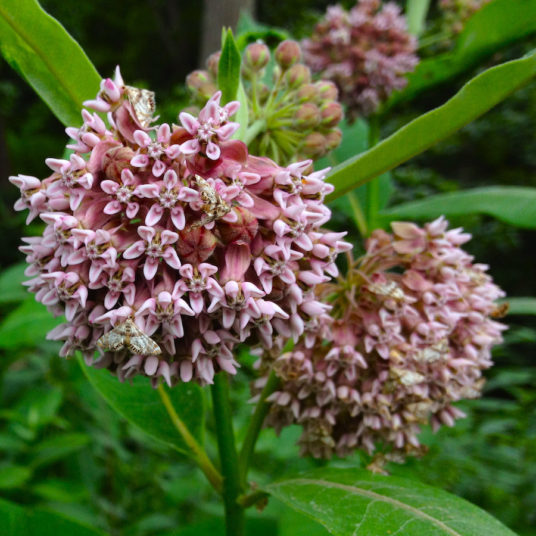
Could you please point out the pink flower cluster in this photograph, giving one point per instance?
(399, 347)
(169, 245)
(366, 51)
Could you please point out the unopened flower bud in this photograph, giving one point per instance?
(287, 53)
(333, 139)
(307, 92)
(314, 145)
(256, 57)
(200, 83)
(331, 114)
(115, 160)
(297, 75)
(195, 244)
(213, 62)
(326, 90)
(307, 115)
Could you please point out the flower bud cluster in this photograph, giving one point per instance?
(299, 116)
(166, 246)
(366, 51)
(410, 332)
(457, 12)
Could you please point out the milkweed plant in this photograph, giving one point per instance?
(172, 250)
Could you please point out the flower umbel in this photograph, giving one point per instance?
(166, 246)
(397, 350)
(366, 51)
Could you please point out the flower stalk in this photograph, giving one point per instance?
(198, 453)
(232, 486)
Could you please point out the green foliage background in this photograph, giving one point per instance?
(62, 448)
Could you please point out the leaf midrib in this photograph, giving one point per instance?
(375, 496)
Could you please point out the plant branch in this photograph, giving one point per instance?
(416, 15)
(198, 453)
(255, 424)
(232, 488)
(373, 187)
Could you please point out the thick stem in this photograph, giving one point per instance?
(199, 455)
(255, 424)
(232, 488)
(373, 187)
(359, 216)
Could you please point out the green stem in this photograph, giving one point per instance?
(359, 216)
(255, 425)
(416, 12)
(373, 187)
(249, 499)
(232, 488)
(254, 130)
(199, 455)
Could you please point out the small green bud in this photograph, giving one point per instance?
(287, 53)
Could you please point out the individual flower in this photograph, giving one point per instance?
(295, 117)
(166, 247)
(366, 52)
(410, 332)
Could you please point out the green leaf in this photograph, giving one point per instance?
(511, 204)
(474, 99)
(416, 12)
(11, 289)
(352, 502)
(521, 306)
(16, 521)
(140, 404)
(242, 116)
(229, 69)
(14, 476)
(38, 47)
(26, 326)
(495, 26)
(58, 447)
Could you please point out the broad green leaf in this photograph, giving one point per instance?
(521, 306)
(495, 26)
(15, 521)
(140, 404)
(11, 289)
(40, 49)
(26, 326)
(352, 502)
(242, 116)
(229, 69)
(14, 476)
(474, 99)
(512, 204)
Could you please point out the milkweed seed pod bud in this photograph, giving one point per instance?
(166, 246)
(366, 52)
(410, 332)
(288, 110)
